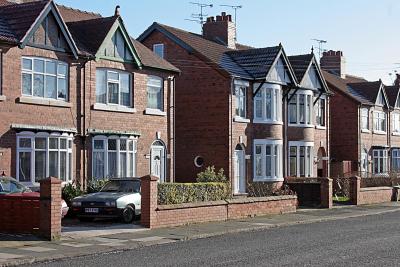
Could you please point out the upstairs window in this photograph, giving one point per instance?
(113, 87)
(364, 119)
(45, 78)
(155, 93)
(320, 112)
(300, 108)
(268, 104)
(379, 121)
(396, 122)
(240, 94)
(158, 49)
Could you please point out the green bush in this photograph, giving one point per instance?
(95, 185)
(71, 191)
(209, 175)
(177, 193)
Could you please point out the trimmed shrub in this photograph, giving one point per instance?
(209, 175)
(70, 191)
(264, 189)
(95, 185)
(178, 193)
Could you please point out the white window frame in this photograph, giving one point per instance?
(276, 103)
(57, 76)
(379, 117)
(157, 46)
(68, 150)
(308, 158)
(238, 85)
(149, 84)
(308, 108)
(395, 160)
(276, 160)
(105, 150)
(396, 123)
(377, 155)
(319, 112)
(110, 80)
(364, 113)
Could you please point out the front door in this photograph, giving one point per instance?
(239, 172)
(158, 162)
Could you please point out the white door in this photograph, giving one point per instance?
(239, 172)
(158, 162)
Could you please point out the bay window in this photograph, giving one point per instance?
(396, 160)
(301, 108)
(113, 87)
(268, 104)
(45, 78)
(113, 157)
(301, 160)
(155, 93)
(380, 161)
(379, 121)
(267, 160)
(320, 112)
(43, 155)
(396, 123)
(364, 119)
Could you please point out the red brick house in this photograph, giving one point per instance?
(365, 121)
(79, 98)
(232, 102)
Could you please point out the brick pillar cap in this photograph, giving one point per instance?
(149, 178)
(50, 180)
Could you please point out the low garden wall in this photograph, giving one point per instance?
(312, 191)
(369, 195)
(157, 216)
(33, 214)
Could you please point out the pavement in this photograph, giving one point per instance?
(89, 240)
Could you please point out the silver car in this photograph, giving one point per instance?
(119, 198)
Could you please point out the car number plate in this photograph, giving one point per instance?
(92, 210)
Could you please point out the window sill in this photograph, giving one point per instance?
(111, 108)
(302, 125)
(379, 132)
(267, 122)
(43, 102)
(365, 131)
(155, 112)
(319, 127)
(3, 98)
(268, 179)
(240, 119)
(396, 133)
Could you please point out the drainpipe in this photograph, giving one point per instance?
(172, 109)
(359, 140)
(230, 134)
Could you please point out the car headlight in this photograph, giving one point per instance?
(76, 204)
(111, 203)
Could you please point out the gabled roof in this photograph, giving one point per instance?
(368, 91)
(392, 93)
(301, 64)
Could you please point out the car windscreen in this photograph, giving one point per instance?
(8, 186)
(122, 186)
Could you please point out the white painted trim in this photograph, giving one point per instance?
(365, 131)
(308, 166)
(379, 132)
(318, 127)
(259, 121)
(303, 125)
(241, 82)
(396, 133)
(3, 98)
(276, 147)
(241, 120)
(113, 108)
(155, 112)
(44, 101)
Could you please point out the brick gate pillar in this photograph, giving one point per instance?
(50, 208)
(149, 193)
(355, 186)
(326, 193)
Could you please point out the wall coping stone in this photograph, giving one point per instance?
(376, 188)
(50, 180)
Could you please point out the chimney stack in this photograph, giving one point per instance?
(334, 62)
(220, 29)
(116, 13)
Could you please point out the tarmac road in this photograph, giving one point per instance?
(363, 241)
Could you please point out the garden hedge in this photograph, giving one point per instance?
(178, 193)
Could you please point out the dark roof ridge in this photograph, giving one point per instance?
(232, 51)
(12, 4)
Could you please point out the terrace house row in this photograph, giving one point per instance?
(255, 112)
(365, 121)
(79, 98)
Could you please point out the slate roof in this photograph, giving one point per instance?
(392, 93)
(300, 64)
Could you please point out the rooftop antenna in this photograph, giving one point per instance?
(235, 8)
(199, 18)
(320, 43)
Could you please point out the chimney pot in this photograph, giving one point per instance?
(116, 13)
(223, 14)
(229, 17)
(334, 62)
(219, 18)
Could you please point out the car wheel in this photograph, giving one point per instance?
(128, 214)
(85, 219)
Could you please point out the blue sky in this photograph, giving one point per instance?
(365, 30)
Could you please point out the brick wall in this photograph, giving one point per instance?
(312, 191)
(370, 195)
